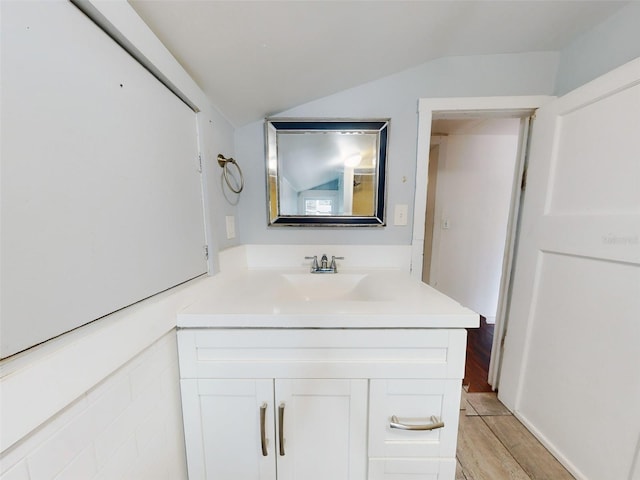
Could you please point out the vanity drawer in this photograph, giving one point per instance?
(321, 353)
(413, 402)
(412, 469)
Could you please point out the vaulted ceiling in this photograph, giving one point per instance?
(258, 58)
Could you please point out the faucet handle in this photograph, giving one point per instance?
(314, 265)
(333, 262)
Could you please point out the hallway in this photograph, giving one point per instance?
(479, 341)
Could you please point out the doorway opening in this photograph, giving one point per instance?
(467, 204)
(471, 179)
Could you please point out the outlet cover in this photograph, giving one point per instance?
(231, 226)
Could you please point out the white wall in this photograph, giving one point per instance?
(394, 97)
(216, 136)
(473, 194)
(601, 49)
(103, 399)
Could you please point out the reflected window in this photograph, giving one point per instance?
(318, 207)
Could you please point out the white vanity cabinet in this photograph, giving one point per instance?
(251, 429)
(337, 392)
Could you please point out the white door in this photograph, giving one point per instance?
(571, 358)
(223, 424)
(325, 429)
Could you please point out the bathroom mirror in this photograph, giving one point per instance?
(326, 172)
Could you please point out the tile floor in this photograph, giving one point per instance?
(494, 445)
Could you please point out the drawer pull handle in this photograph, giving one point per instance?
(263, 434)
(435, 423)
(281, 428)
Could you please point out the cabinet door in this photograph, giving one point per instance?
(223, 426)
(324, 429)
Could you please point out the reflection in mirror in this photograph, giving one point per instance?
(326, 172)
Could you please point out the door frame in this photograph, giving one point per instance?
(518, 106)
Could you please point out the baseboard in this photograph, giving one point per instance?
(573, 470)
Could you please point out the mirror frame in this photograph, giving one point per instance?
(275, 125)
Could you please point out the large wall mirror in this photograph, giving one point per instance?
(326, 172)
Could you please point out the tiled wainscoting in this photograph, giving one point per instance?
(127, 426)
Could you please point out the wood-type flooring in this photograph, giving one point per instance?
(479, 341)
(494, 445)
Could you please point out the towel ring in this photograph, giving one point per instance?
(224, 163)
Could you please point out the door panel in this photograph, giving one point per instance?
(570, 358)
(101, 201)
(325, 425)
(593, 169)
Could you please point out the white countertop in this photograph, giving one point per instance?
(295, 298)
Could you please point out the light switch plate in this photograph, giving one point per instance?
(400, 216)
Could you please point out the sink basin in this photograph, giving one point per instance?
(327, 287)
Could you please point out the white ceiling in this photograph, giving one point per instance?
(258, 58)
(310, 160)
(475, 126)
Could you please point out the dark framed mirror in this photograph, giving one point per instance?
(326, 172)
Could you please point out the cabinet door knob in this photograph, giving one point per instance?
(435, 423)
(263, 434)
(281, 428)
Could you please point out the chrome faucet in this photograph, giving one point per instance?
(324, 266)
(324, 262)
